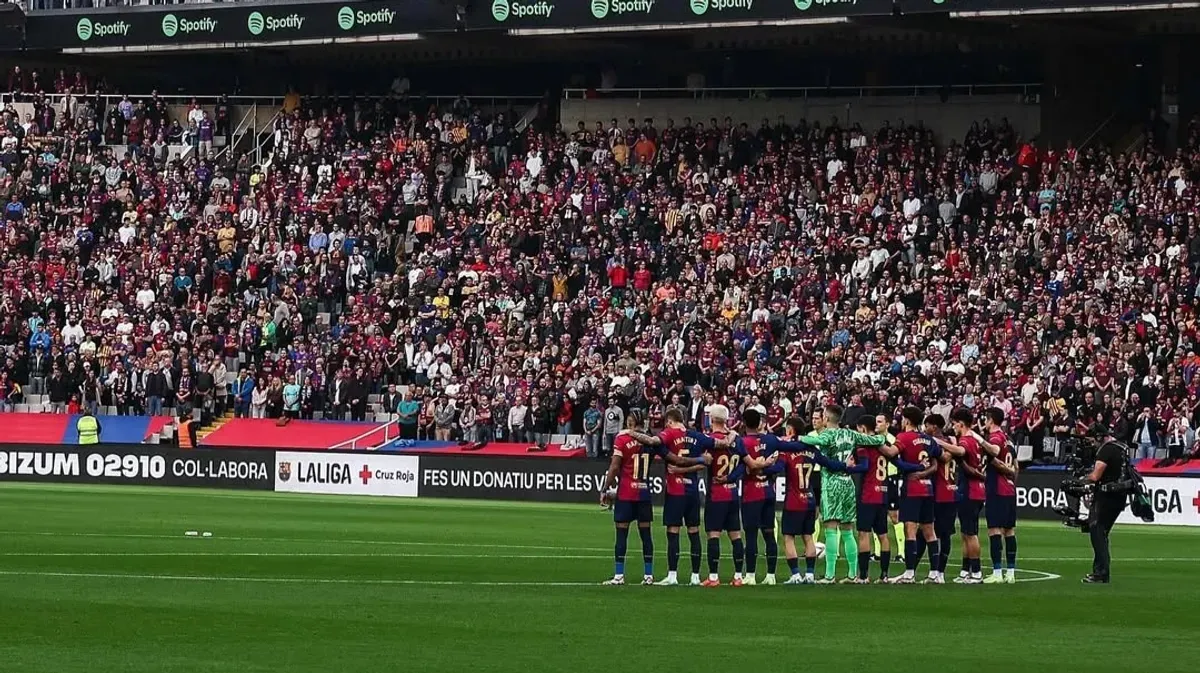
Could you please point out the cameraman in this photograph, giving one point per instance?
(1108, 501)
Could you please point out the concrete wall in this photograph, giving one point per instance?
(949, 120)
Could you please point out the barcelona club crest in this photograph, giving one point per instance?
(285, 471)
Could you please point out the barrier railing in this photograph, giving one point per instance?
(1028, 90)
(371, 439)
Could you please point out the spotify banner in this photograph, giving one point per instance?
(512, 14)
(250, 23)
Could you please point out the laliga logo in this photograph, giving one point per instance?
(86, 29)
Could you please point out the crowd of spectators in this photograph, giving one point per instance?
(494, 284)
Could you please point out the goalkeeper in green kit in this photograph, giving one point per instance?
(838, 497)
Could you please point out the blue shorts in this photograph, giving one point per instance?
(872, 518)
(1001, 512)
(916, 510)
(626, 511)
(968, 516)
(681, 510)
(944, 514)
(798, 523)
(759, 515)
(722, 516)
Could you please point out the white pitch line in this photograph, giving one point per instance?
(1042, 577)
(406, 543)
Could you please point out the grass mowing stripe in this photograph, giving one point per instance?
(1180, 559)
(293, 580)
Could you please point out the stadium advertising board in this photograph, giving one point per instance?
(231, 24)
(347, 473)
(532, 14)
(146, 465)
(1176, 500)
(537, 479)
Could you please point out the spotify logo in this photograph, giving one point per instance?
(345, 18)
(255, 23)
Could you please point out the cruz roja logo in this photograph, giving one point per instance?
(602, 8)
(86, 29)
(502, 9)
(701, 7)
(258, 23)
(173, 25)
(348, 18)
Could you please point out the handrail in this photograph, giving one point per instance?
(1099, 128)
(352, 443)
(240, 131)
(1025, 89)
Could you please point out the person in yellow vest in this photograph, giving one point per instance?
(88, 428)
(185, 432)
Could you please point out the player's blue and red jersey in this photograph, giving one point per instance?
(945, 480)
(685, 444)
(1000, 485)
(971, 487)
(870, 461)
(759, 485)
(634, 472)
(917, 447)
(724, 462)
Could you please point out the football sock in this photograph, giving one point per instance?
(831, 551)
(810, 564)
(885, 562)
(694, 542)
(875, 545)
(966, 564)
(935, 555)
(619, 550)
(850, 544)
(672, 552)
(772, 552)
(996, 545)
(976, 566)
(944, 558)
(864, 565)
(1010, 551)
(751, 552)
(910, 555)
(714, 554)
(921, 546)
(794, 565)
(647, 550)
(739, 555)
(899, 528)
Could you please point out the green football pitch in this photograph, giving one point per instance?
(103, 579)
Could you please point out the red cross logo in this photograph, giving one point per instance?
(1196, 501)
(366, 475)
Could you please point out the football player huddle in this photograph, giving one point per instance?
(850, 479)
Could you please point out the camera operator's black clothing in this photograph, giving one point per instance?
(1106, 507)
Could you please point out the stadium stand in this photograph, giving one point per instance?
(487, 275)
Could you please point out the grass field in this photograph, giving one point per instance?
(103, 579)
